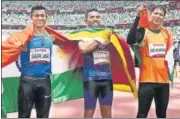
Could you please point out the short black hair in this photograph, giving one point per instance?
(91, 10)
(38, 7)
(159, 7)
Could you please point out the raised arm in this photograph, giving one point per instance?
(136, 34)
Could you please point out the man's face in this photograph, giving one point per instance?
(93, 19)
(39, 18)
(157, 16)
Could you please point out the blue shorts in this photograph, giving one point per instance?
(101, 89)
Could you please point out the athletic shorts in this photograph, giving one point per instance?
(101, 89)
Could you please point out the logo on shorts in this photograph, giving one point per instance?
(47, 96)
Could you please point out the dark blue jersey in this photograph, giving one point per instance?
(35, 59)
(97, 65)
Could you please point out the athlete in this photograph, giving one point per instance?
(153, 42)
(97, 78)
(34, 63)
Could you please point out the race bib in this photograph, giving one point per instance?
(157, 50)
(40, 55)
(101, 57)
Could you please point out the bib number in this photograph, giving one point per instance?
(157, 50)
(40, 55)
(101, 57)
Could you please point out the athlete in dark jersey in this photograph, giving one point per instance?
(34, 63)
(97, 78)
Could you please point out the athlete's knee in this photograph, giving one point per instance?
(23, 111)
(43, 112)
(106, 107)
(106, 111)
(88, 113)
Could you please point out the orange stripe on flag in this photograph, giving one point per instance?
(144, 19)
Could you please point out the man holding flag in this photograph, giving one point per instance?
(97, 75)
(156, 49)
(33, 46)
(107, 64)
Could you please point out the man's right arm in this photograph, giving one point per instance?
(88, 46)
(135, 34)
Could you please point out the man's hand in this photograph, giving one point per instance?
(140, 9)
(88, 46)
(104, 43)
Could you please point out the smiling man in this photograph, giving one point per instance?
(34, 63)
(154, 41)
(97, 76)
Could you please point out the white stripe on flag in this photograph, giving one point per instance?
(170, 59)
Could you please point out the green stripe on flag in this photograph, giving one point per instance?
(92, 30)
(135, 49)
(67, 86)
(10, 94)
(3, 110)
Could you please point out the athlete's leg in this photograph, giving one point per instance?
(161, 100)
(106, 98)
(145, 97)
(90, 98)
(43, 98)
(25, 98)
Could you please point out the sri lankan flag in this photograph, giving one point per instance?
(66, 78)
(121, 61)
